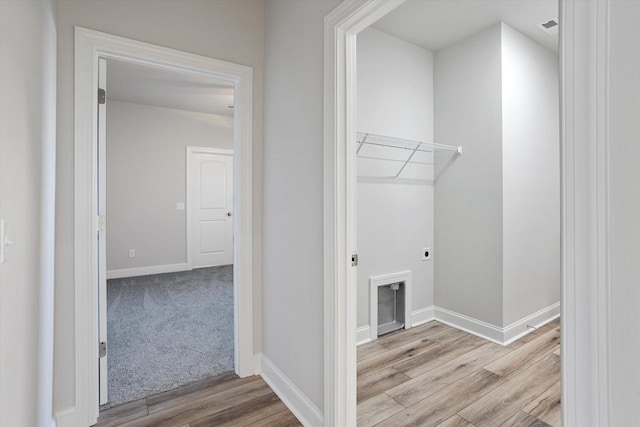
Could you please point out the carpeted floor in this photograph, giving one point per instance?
(167, 330)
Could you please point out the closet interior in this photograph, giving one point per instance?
(458, 181)
(458, 184)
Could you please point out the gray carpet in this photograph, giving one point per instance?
(167, 330)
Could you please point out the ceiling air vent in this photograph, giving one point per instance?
(550, 27)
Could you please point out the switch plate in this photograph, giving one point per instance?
(2, 231)
(5, 242)
(132, 253)
(180, 206)
(426, 254)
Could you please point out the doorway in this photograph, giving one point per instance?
(166, 230)
(458, 182)
(341, 27)
(90, 47)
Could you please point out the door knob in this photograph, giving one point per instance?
(228, 213)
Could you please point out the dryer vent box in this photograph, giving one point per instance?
(549, 26)
(391, 307)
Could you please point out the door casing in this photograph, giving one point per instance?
(584, 142)
(102, 233)
(91, 45)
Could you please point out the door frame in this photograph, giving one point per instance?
(190, 151)
(584, 208)
(103, 363)
(89, 46)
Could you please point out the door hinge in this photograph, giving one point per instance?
(354, 260)
(102, 96)
(101, 222)
(102, 349)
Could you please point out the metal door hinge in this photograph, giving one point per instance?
(354, 260)
(102, 349)
(102, 96)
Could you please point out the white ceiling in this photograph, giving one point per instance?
(171, 89)
(434, 24)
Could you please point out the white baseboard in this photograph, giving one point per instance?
(145, 271)
(363, 335)
(499, 335)
(540, 318)
(423, 315)
(418, 317)
(65, 417)
(306, 412)
(257, 363)
(496, 334)
(469, 324)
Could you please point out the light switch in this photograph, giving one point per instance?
(5, 242)
(180, 206)
(132, 253)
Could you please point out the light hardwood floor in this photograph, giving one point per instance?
(435, 375)
(431, 375)
(222, 401)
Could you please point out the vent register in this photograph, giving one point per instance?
(550, 27)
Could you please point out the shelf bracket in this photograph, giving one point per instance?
(407, 161)
(366, 135)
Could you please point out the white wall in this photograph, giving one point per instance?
(395, 86)
(531, 176)
(146, 177)
(498, 205)
(228, 30)
(293, 212)
(293, 217)
(394, 220)
(624, 213)
(468, 193)
(27, 169)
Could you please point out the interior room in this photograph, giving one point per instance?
(458, 209)
(169, 230)
(395, 187)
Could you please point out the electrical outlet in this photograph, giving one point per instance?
(132, 253)
(180, 206)
(426, 254)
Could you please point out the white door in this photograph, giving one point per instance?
(210, 207)
(102, 212)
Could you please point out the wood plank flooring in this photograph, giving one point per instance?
(436, 375)
(222, 401)
(430, 375)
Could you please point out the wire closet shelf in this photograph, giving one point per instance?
(411, 146)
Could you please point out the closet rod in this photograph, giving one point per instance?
(363, 142)
(413, 162)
